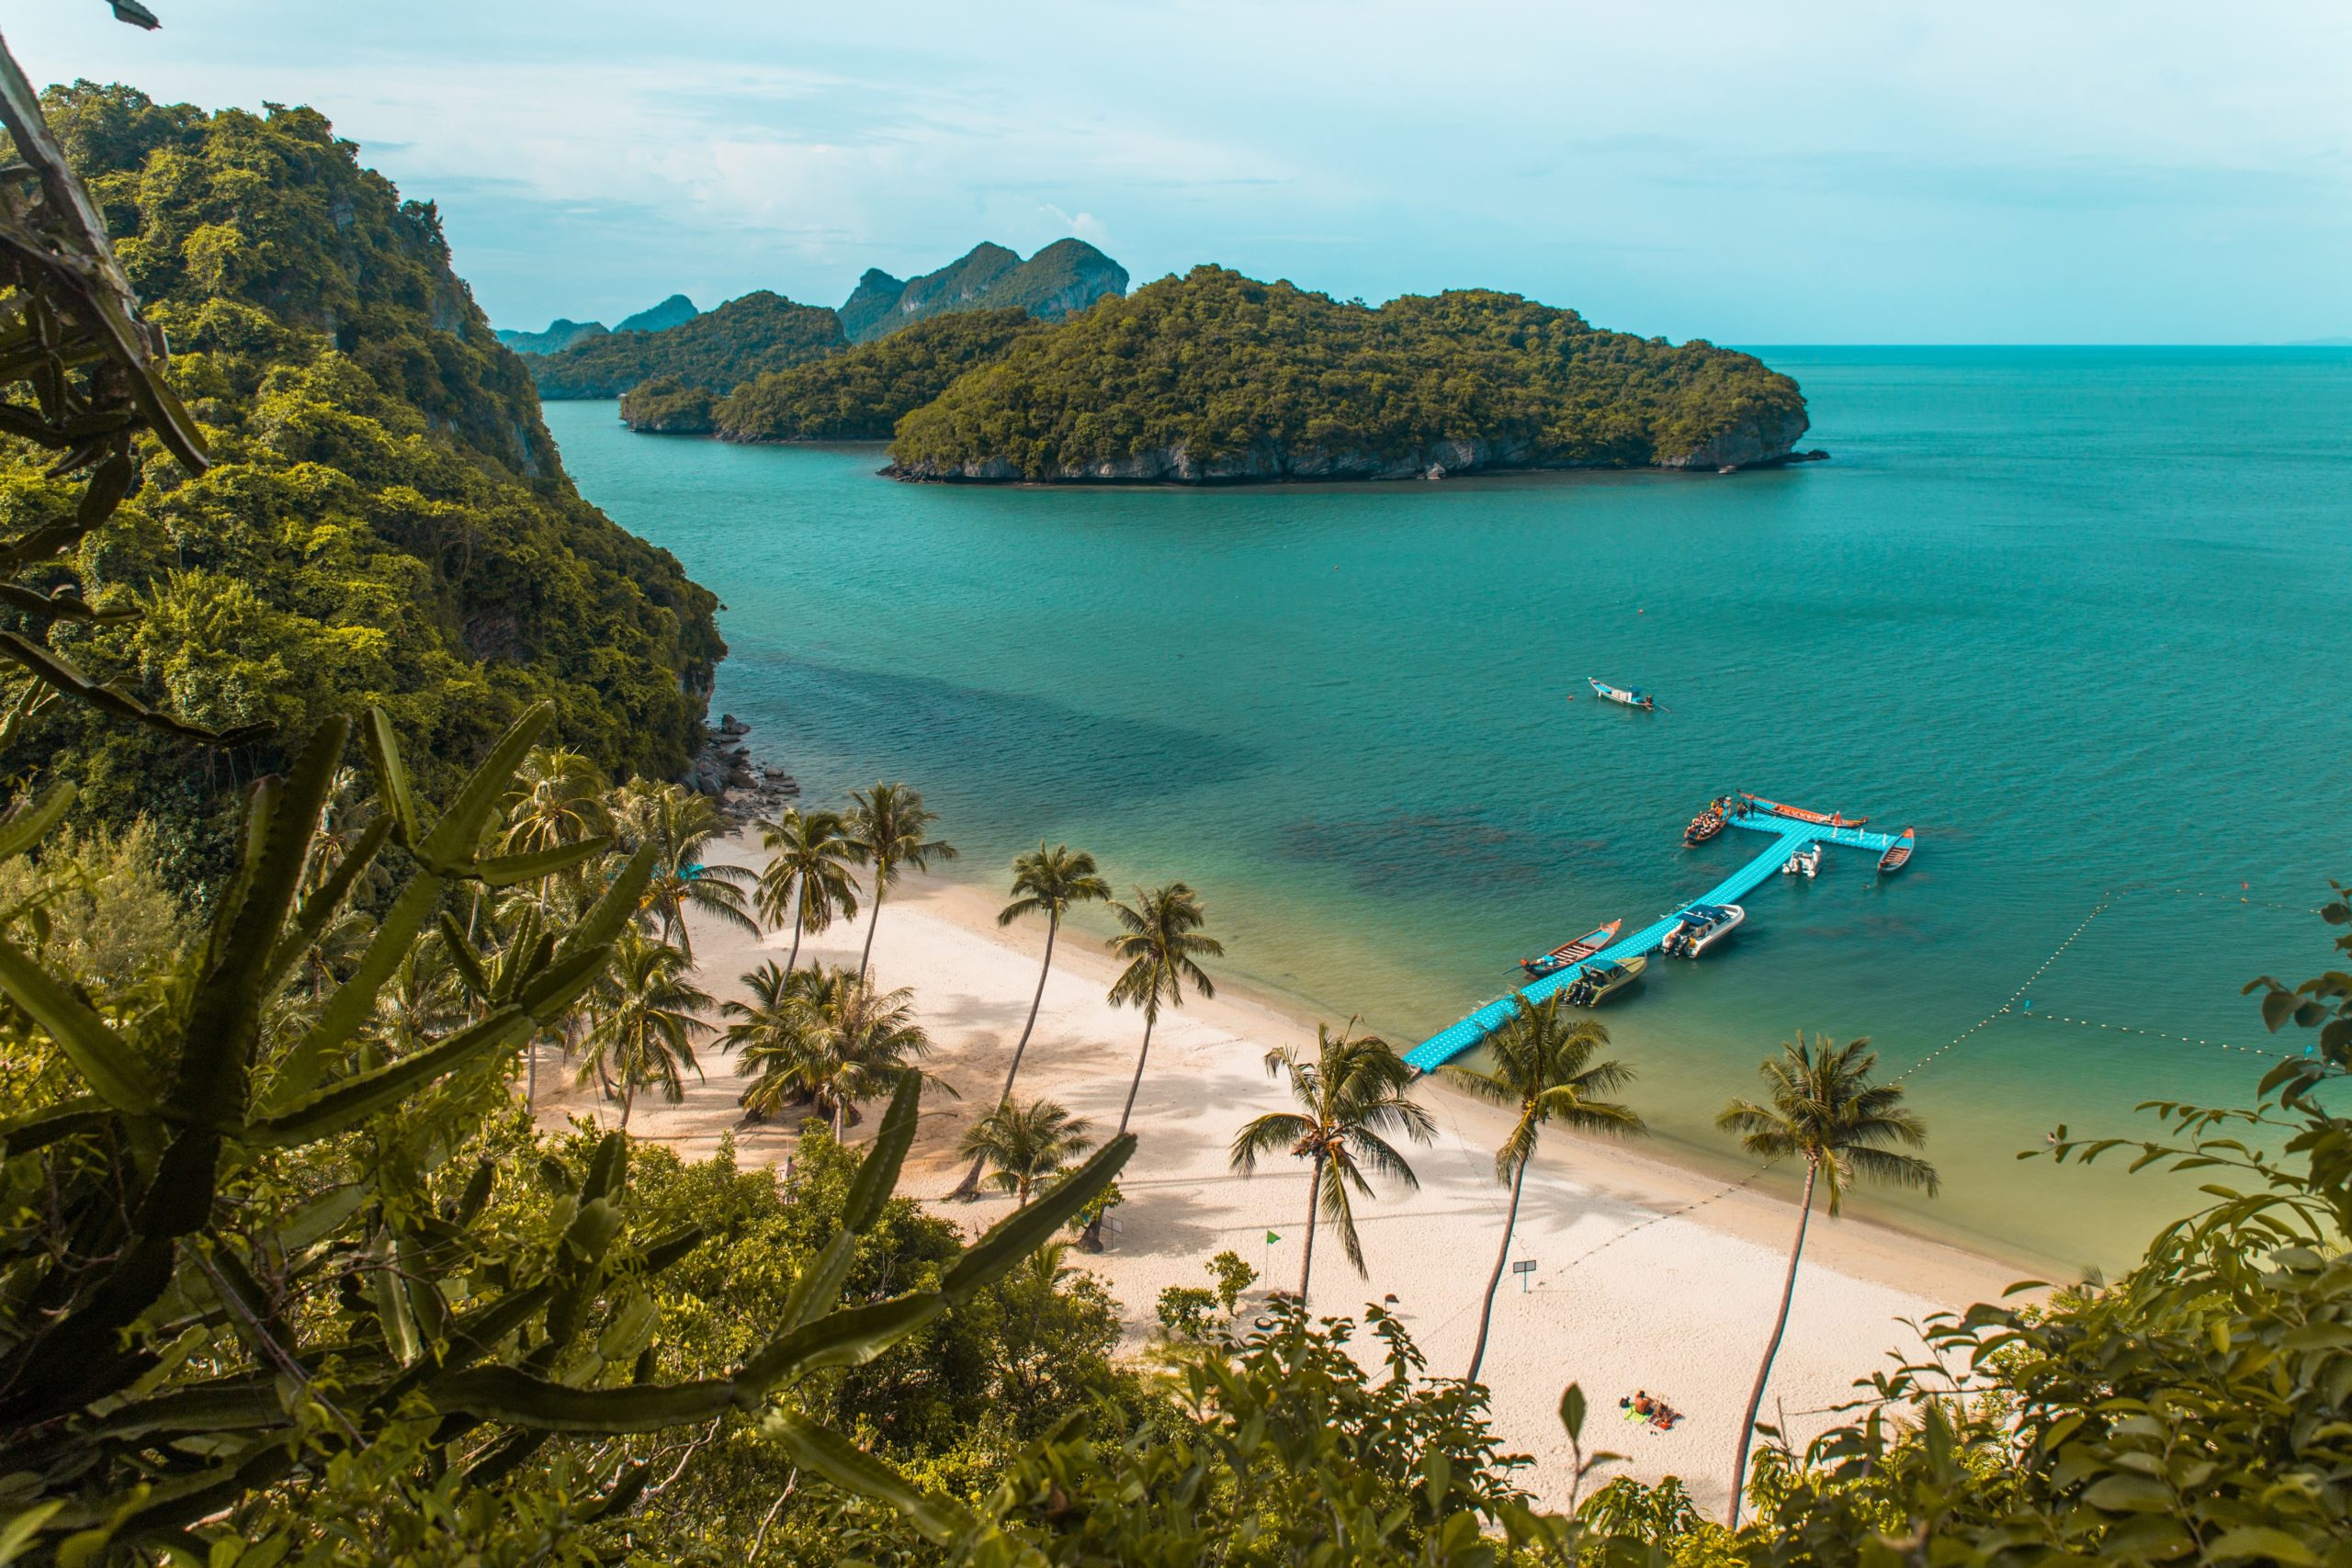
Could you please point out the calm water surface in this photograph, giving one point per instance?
(2080, 616)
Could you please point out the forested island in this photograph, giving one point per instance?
(1215, 378)
(859, 395)
(1218, 378)
(716, 350)
(688, 361)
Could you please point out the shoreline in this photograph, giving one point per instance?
(1649, 1274)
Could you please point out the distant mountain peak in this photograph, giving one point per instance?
(1067, 276)
(675, 311)
(561, 333)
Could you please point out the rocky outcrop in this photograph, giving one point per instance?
(1765, 439)
(1754, 448)
(745, 788)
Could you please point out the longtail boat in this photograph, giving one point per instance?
(1630, 696)
(1603, 981)
(1567, 953)
(1706, 824)
(1799, 814)
(1898, 854)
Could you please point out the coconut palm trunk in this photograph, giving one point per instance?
(1313, 1207)
(799, 913)
(881, 875)
(1495, 1275)
(629, 1099)
(971, 1183)
(1091, 1240)
(1151, 1017)
(1772, 1348)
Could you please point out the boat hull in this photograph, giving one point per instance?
(1799, 814)
(1692, 941)
(1899, 855)
(1596, 989)
(1569, 952)
(1628, 698)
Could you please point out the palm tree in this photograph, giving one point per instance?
(834, 1042)
(1026, 1144)
(649, 1014)
(1157, 948)
(807, 879)
(1542, 1069)
(766, 1020)
(771, 1034)
(1351, 1093)
(1821, 1107)
(681, 825)
(886, 826)
(557, 798)
(1047, 882)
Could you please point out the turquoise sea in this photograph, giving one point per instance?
(2081, 616)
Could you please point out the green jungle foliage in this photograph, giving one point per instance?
(718, 350)
(1066, 276)
(667, 406)
(862, 394)
(1222, 366)
(386, 521)
(561, 333)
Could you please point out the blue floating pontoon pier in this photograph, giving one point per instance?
(1788, 835)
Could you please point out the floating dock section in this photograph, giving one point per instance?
(1788, 835)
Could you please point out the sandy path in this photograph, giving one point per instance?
(1627, 1293)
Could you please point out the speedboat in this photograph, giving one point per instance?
(1806, 862)
(1603, 981)
(1567, 953)
(1706, 824)
(1898, 854)
(1628, 695)
(1699, 927)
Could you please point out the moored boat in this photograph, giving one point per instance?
(1699, 927)
(1706, 824)
(1898, 854)
(1631, 696)
(1806, 862)
(1567, 953)
(1799, 814)
(1603, 981)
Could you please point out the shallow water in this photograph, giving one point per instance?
(2080, 616)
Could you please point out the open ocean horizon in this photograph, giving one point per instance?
(2081, 615)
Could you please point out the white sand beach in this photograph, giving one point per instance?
(1634, 1288)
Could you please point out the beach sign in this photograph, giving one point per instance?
(1523, 1268)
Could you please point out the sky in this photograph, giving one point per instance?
(1849, 171)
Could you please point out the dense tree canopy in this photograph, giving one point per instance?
(862, 394)
(387, 520)
(718, 350)
(667, 406)
(1215, 376)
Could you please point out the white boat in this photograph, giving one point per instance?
(1806, 862)
(1701, 926)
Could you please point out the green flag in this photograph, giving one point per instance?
(1271, 1239)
